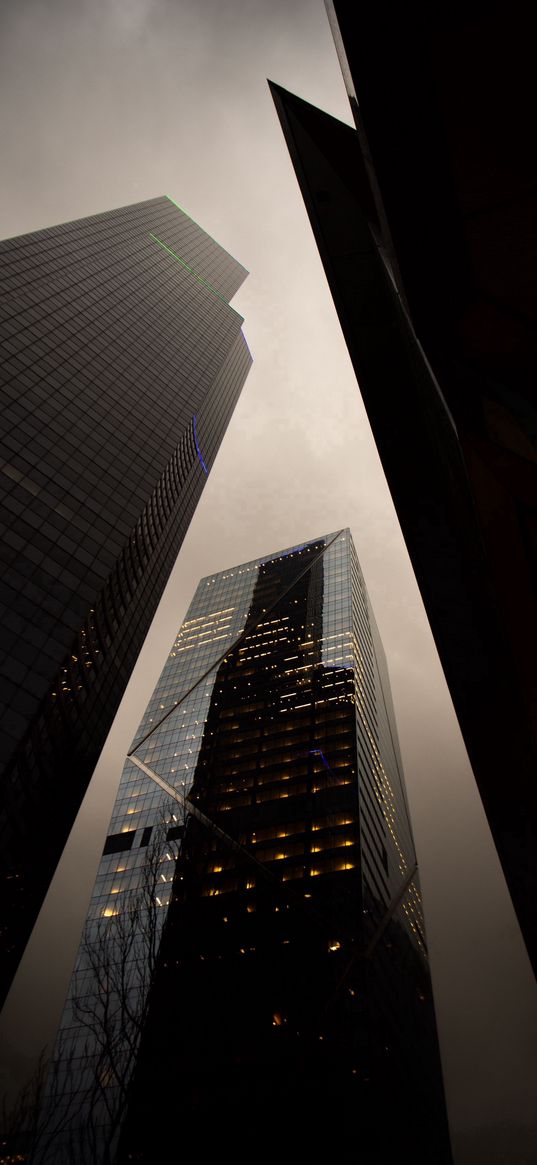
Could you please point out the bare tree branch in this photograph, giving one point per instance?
(73, 1108)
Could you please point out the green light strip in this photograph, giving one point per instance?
(187, 268)
(196, 224)
(181, 208)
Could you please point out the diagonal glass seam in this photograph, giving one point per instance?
(184, 800)
(187, 267)
(368, 951)
(390, 911)
(193, 809)
(248, 628)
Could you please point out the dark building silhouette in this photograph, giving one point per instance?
(121, 363)
(424, 216)
(290, 1009)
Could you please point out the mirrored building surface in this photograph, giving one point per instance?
(262, 840)
(121, 361)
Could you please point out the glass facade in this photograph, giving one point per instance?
(261, 833)
(121, 361)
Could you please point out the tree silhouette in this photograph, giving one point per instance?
(71, 1110)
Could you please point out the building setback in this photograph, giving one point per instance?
(424, 216)
(289, 1010)
(121, 364)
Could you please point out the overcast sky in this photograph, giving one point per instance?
(108, 102)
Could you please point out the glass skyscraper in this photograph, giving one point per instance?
(261, 842)
(121, 363)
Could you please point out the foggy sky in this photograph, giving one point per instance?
(107, 102)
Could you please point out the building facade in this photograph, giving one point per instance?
(424, 215)
(261, 840)
(121, 363)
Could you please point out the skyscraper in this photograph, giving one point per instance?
(122, 361)
(424, 217)
(289, 1005)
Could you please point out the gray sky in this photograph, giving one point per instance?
(107, 102)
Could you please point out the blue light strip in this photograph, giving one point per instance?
(198, 450)
(318, 752)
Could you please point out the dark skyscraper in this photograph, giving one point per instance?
(289, 1005)
(122, 362)
(424, 216)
